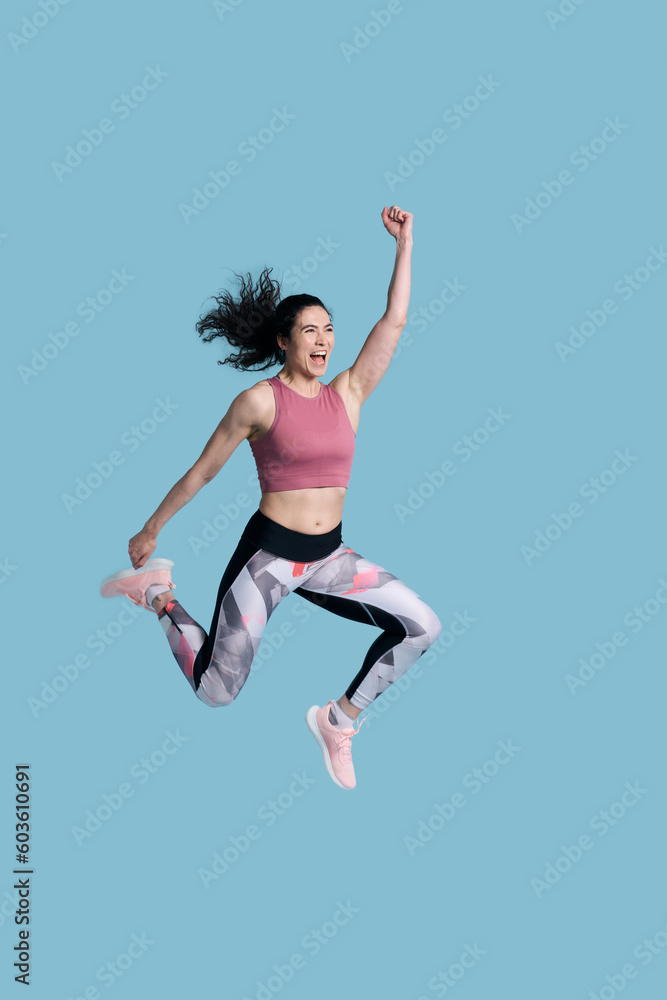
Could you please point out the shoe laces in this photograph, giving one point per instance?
(344, 742)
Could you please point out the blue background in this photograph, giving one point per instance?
(464, 549)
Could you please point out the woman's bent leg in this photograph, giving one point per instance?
(252, 587)
(216, 664)
(256, 579)
(355, 588)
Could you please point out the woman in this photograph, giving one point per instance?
(302, 434)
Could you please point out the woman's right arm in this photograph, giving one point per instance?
(236, 425)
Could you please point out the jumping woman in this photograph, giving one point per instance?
(302, 435)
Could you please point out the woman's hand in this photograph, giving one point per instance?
(397, 222)
(141, 547)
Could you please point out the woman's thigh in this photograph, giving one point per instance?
(252, 587)
(353, 587)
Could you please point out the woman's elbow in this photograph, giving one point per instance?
(200, 475)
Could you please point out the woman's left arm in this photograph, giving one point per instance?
(378, 349)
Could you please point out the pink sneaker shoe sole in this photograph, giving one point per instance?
(111, 586)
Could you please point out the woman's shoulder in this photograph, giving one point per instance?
(256, 404)
(258, 390)
(263, 386)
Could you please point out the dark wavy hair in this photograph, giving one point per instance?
(253, 320)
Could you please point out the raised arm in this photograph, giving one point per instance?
(236, 425)
(374, 357)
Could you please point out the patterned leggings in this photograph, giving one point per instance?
(269, 563)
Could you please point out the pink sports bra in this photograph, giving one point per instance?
(310, 442)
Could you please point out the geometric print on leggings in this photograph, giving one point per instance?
(185, 635)
(378, 598)
(342, 582)
(244, 611)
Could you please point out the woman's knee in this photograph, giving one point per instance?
(213, 702)
(216, 695)
(431, 626)
(219, 680)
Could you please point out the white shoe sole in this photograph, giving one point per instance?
(311, 722)
(124, 573)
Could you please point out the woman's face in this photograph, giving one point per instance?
(311, 335)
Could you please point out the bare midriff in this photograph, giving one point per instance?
(311, 511)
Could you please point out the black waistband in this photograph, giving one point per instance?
(288, 544)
